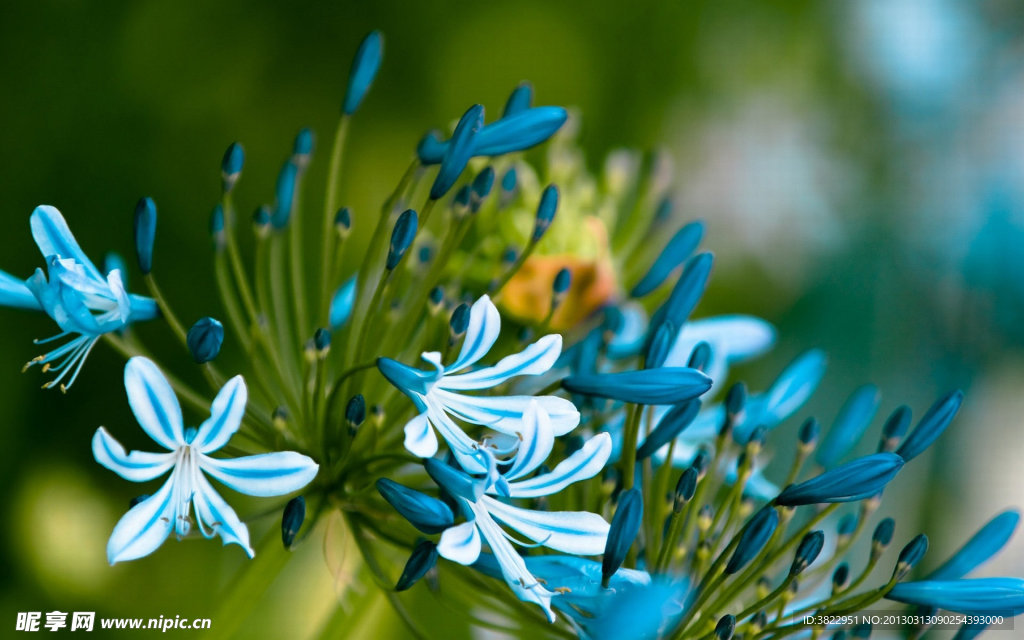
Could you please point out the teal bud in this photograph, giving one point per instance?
(700, 357)
(426, 513)
(678, 249)
(849, 426)
(453, 481)
(145, 233)
(660, 344)
(291, 520)
(285, 195)
(322, 342)
(458, 152)
(725, 627)
(758, 622)
(840, 577)
(855, 480)
(482, 185)
(882, 537)
(735, 401)
(545, 212)
(364, 69)
(808, 435)
(422, 560)
(261, 220)
(895, 428)
(754, 536)
(700, 462)
(807, 552)
(458, 323)
(663, 211)
(685, 488)
(519, 101)
(508, 258)
(302, 149)
(931, 425)
(231, 166)
(984, 544)
(560, 286)
(847, 525)
(686, 293)
(910, 556)
(425, 254)
(669, 427)
(462, 200)
(401, 238)
(355, 412)
(624, 528)
(342, 302)
(435, 298)
(217, 227)
(508, 181)
(664, 385)
(205, 339)
(343, 222)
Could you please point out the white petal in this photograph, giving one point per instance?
(225, 416)
(137, 466)
(505, 413)
(579, 532)
(213, 512)
(419, 437)
(537, 440)
(153, 401)
(266, 474)
(145, 527)
(586, 462)
(734, 337)
(465, 449)
(533, 360)
(483, 329)
(54, 238)
(460, 543)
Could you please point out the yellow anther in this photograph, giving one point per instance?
(563, 590)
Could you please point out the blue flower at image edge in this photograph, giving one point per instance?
(81, 300)
(151, 521)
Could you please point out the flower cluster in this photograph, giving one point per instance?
(609, 472)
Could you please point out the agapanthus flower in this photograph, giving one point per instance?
(82, 301)
(155, 405)
(438, 394)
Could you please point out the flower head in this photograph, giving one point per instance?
(82, 301)
(151, 521)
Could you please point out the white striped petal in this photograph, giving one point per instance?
(460, 543)
(462, 446)
(481, 333)
(533, 360)
(153, 401)
(536, 441)
(419, 437)
(578, 532)
(585, 462)
(137, 466)
(145, 527)
(213, 512)
(54, 238)
(225, 416)
(505, 413)
(266, 474)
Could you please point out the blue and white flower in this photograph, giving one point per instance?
(439, 396)
(575, 532)
(82, 301)
(151, 521)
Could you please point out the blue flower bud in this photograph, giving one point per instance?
(401, 238)
(483, 183)
(462, 200)
(895, 428)
(847, 525)
(686, 486)
(113, 261)
(725, 627)
(519, 101)
(700, 357)
(205, 339)
(458, 152)
(669, 427)
(355, 412)
(984, 544)
(519, 131)
(754, 536)
(882, 537)
(341, 303)
(809, 431)
(545, 212)
(145, 233)
(426, 513)
(849, 426)
(303, 147)
(807, 552)
(453, 481)
(436, 296)
(978, 596)
(231, 166)
(840, 577)
(430, 148)
(422, 560)
(285, 193)
(322, 341)
(217, 227)
(406, 378)
(911, 555)
(291, 520)
(508, 181)
(686, 293)
(343, 221)
(660, 344)
(459, 321)
(678, 249)
(931, 425)
(662, 213)
(261, 220)
(563, 279)
(665, 385)
(629, 515)
(364, 69)
(858, 479)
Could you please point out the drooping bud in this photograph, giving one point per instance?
(145, 233)
(754, 536)
(205, 339)
(401, 238)
(231, 166)
(422, 560)
(807, 552)
(624, 529)
(545, 212)
(364, 69)
(291, 520)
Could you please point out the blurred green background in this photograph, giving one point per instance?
(859, 165)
